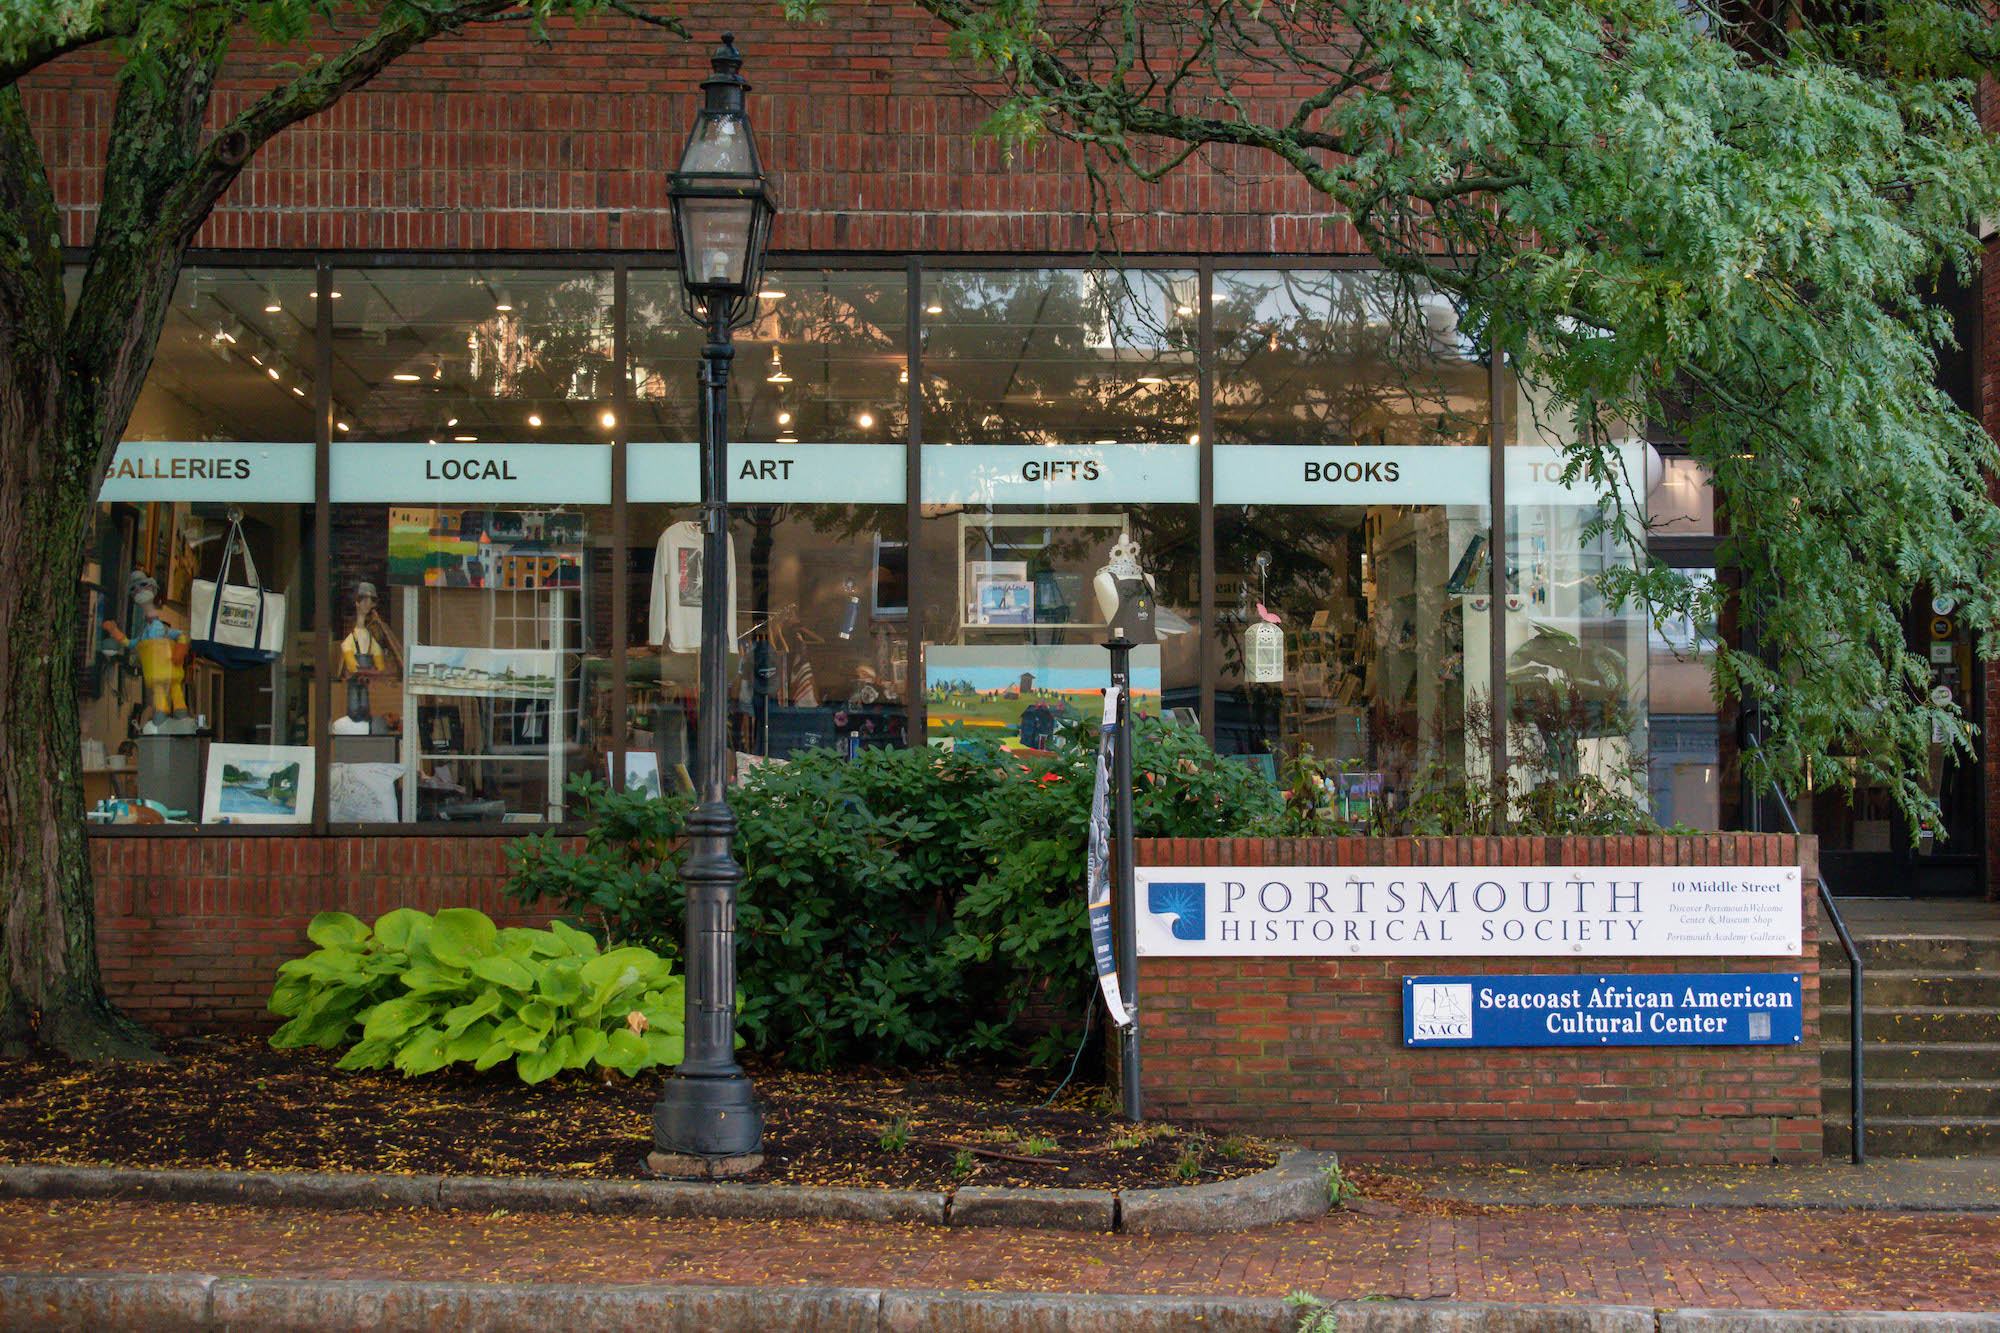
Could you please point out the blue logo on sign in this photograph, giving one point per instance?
(1187, 904)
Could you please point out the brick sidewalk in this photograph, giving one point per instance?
(1737, 1258)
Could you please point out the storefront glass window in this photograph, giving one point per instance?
(1060, 417)
(197, 681)
(818, 432)
(471, 480)
(1351, 488)
(1577, 666)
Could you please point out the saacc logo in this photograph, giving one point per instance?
(1441, 1012)
(1186, 903)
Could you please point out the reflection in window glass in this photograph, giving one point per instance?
(1060, 418)
(1375, 567)
(471, 472)
(197, 609)
(1684, 766)
(480, 356)
(1342, 357)
(823, 361)
(1576, 665)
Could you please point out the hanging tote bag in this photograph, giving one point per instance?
(236, 625)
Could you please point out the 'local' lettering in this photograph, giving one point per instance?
(468, 469)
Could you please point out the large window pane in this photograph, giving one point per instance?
(1060, 417)
(471, 478)
(817, 434)
(218, 460)
(1352, 475)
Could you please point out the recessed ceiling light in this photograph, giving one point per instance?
(534, 420)
(1184, 310)
(1104, 441)
(256, 360)
(272, 371)
(405, 376)
(608, 420)
(770, 294)
(1152, 379)
(340, 425)
(452, 422)
(465, 439)
(777, 375)
(273, 308)
(933, 309)
(784, 418)
(1194, 439)
(788, 438)
(297, 390)
(865, 420)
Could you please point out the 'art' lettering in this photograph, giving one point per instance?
(765, 469)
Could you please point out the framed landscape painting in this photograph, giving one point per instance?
(258, 784)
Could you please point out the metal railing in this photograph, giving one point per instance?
(1857, 1087)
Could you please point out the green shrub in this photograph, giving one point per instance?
(901, 906)
(421, 992)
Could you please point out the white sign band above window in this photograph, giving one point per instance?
(1535, 472)
(1468, 911)
(862, 474)
(453, 474)
(1050, 474)
(1397, 474)
(159, 472)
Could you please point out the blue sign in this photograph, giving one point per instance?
(1664, 1009)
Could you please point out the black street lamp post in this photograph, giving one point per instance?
(722, 204)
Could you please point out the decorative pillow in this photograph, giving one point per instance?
(364, 794)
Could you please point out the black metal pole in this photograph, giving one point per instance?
(1122, 882)
(707, 1107)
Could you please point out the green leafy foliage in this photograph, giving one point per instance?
(907, 905)
(1733, 222)
(420, 992)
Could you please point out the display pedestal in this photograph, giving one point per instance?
(170, 771)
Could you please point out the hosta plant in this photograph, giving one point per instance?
(422, 992)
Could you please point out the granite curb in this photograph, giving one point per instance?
(151, 1303)
(1292, 1191)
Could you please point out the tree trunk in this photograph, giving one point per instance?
(53, 990)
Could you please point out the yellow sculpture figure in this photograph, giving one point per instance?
(161, 649)
(368, 651)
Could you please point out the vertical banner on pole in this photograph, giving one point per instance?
(1098, 893)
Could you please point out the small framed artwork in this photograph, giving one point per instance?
(442, 728)
(258, 784)
(642, 771)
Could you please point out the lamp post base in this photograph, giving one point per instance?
(707, 1117)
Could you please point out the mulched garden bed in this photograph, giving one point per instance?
(232, 1102)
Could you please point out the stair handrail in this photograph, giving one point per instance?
(1857, 1089)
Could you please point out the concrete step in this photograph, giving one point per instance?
(1916, 1025)
(1914, 953)
(1912, 989)
(1917, 1137)
(1911, 1063)
(1904, 1098)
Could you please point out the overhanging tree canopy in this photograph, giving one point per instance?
(70, 373)
(1731, 219)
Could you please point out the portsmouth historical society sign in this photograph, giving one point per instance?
(1489, 911)
(1468, 911)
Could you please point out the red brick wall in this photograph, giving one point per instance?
(191, 930)
(489, 141)
(1310, 1050)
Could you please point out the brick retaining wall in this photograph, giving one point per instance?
(1311, 1049)
(191, 930)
